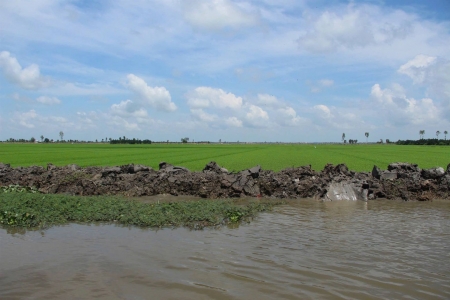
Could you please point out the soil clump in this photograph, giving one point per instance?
(335, 182)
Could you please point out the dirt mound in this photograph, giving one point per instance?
(400, 181)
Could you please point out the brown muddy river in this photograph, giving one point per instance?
(303, 250)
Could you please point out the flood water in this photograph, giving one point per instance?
(305, 249)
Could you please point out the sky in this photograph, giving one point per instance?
(229, 70)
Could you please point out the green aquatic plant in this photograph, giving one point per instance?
(38, 210)
(15, 188)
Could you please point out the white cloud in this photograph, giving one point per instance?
(357, 26)
(201, 115)
(156, 97)
(48, 100)
(218, 14)
(203, 97)
(323, 111)
(27, 78)
(287, 116)
(256, 116)
(431, 72)
(31, 119)
(398, 109)
(418, 67)
(233, 122)
(128, 109)
(25, 119)
(268, 100)
(120, 123)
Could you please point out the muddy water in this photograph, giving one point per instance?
(303, 250)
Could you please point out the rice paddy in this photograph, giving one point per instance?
(234, 157)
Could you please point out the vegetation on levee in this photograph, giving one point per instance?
(424, 142)
(34, 210)
(234, 157)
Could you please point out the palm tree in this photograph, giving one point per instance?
(42, 138)
(437, 134)
(421, 133)
(445, 132)
(367, 136)
(61, 135)
(343, 136)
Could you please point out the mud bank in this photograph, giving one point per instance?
(400, 181)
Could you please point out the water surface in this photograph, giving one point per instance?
(305, 249)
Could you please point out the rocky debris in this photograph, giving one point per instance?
(214, 167)
(433, 173)
(335, 182)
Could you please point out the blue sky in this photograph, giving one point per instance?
(288, 71)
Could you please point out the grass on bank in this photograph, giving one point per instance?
(234, 157)
(33, 210)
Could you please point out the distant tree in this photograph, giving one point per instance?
(445, 132)
(343, 137)
(421, 133)
(61, 135)
(345, 141)
(42, 138)
(32, 140)
(220, 140)
(46, 140)
(185, 140)
(437, 134)
(367, 136)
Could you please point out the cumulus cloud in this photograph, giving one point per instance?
(128, 109)
(323, 111)
(287, 116)
(401, 110)
(431, 72)
(203, 97)
(233, 122)
(31, 119)
(200, 115)
(335, 117)
(156, 97)
(27, 78)
(48, 100)
(418, 67)
(122, 123)
(256, 116)
(356, 27)
(268, 100)
(216, 15)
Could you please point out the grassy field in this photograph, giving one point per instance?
(233, 157)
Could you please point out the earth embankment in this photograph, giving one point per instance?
(335, 182)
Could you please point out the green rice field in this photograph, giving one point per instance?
(234, 157)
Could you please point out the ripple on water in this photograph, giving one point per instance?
(305, 249)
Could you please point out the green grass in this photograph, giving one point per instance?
(233, 157)
(30, 210)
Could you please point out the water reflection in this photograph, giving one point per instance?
(305, 249)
